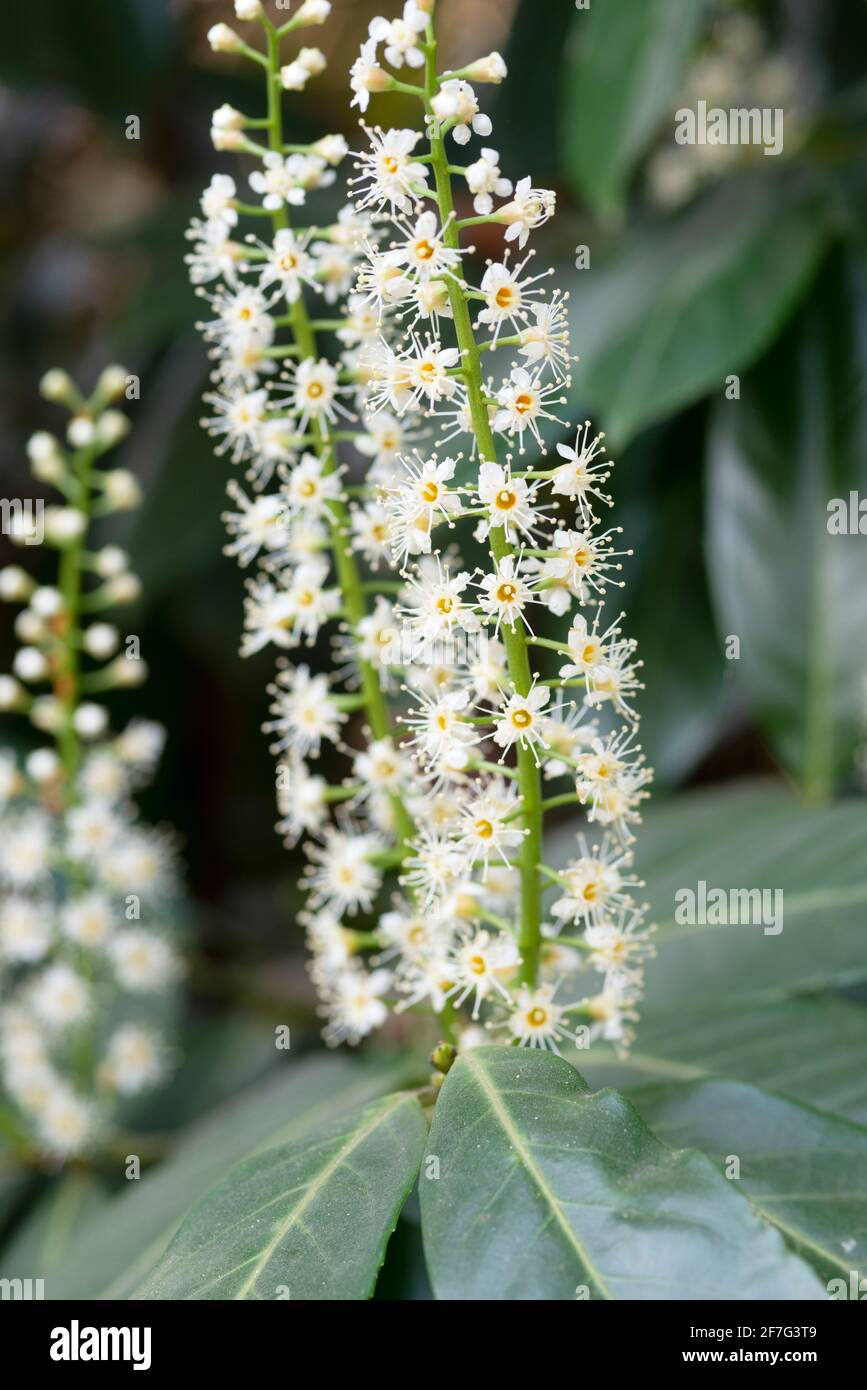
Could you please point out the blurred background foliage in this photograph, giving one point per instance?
(702, 264)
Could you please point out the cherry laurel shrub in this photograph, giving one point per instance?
(86, 888)
(388, 403)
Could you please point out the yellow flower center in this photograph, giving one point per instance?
(522, 718)
(484, 829)
(506, 499)
(506, 593)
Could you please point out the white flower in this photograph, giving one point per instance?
(301, 800)
(25, 850)
(60, 996)
(217, 201)
(588, 562)
(536, 1020)
(488, 824)
(434, 866)
(255, 526)
(314, 391)
(389, 175)
(310, 489)
(456, 102)
(401, 36)
(372, 532)
(529, 209)
(479, 962)
(340, 875)
(25, 929)
(423, 251)
(485, 181)
(521, 720)
(354, 1004)
(142, 961)
(419, 503)
(428, 365)
(366, 76)
(509, 501)
(305, 712)
(508, 296)
(523, 404)
(440, 726)
(437, 606)
(280, 181)
(580, 478)
(87, 920)
(505, 593)
(65, 1123)
(133, 1060)
(288, 265)
(546, 339)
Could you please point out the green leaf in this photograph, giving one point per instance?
(752, 836)
(122, 1244)
(804, 1171)
(623, 74)
(794, 594)
(545, 1186)
(307, 1220)
(682, 305)
(810, 1049)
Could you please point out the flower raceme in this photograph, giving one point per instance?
(401, 501)
(86, 889)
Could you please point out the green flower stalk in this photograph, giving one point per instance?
(427, 885)
(85, 888)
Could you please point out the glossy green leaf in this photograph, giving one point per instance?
(124, 1242)
(624, 69)
(682, 305)
(804, 1171)
(810, 1049)
(306, 1220)
(546, 1189)
(751, 836)
(794, 594)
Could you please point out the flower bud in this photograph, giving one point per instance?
(47, 713)
(489, 69)
(81, 432)
(46, 459)
(90, 721)
(29, 628)
(64, 524)
(123, 588)
(112, 382)
(294, 77)
(46, 602)
(43, 765)
(248, 9)
(100, 640)
(30, 664)
(313, 12)
(16, 585)
(58, 386)
(224, 40)
(11, 694)
(111, 428)
(127, 672)
(121, 490)
(110, 561)
(227, 117)
(313, 59)
(331, 148)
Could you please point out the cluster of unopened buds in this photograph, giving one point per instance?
(86, 888)
(402, 501)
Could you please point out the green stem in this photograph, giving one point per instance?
(70, 581)
(347, 570)
(529, 777)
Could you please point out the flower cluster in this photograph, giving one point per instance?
(437, 557)
(85, 887)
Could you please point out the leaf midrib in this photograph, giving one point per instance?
(314, 1188)
(514, 1135)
